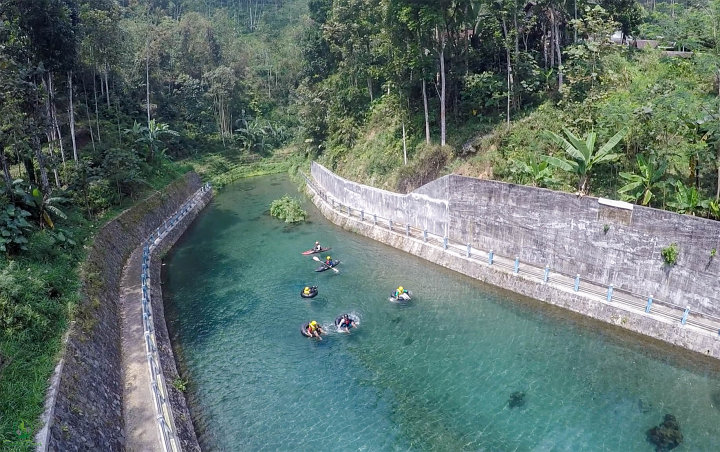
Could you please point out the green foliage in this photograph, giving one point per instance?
(13, 228)
(670, 254)
(536, 174)
(687, 200)
(713, 252)
(180, 384)
(288, 209)
(583, 154)
(641, 186)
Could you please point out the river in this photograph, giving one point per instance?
(463, 366)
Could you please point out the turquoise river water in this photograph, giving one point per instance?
(436, 373)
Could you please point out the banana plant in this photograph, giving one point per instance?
(641, 186)
(687, 199)
(583, 156)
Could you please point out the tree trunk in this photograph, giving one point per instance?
(584, 184)
(147, 80)
(370, 90)
(71, 114)
(404, 143)
(6, 170)
(97, 116)
(37, 148)
(55, 119)
(441, 42)
(509, 73)
(427, 114)
(559, 55)
(107, 86)
(87, 113)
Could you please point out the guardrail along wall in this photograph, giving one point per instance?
(602, 241)
(605, 242)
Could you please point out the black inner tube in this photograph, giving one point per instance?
(312, 294)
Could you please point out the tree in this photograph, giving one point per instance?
(687, 199)
(583, 155)
(641, 186)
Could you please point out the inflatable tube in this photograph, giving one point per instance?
(304, 330)
(404, 297)
(313, 292)
(309, 252)
(325, 267)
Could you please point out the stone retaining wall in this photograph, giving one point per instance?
(84, 407)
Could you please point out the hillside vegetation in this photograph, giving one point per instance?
(104, 102)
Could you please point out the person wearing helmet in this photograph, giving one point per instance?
(401, 293)
(306, 290)
(315, 330)
(317, 248)
(329, 262)
(345, 323)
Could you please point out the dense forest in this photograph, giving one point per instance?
(106, 101)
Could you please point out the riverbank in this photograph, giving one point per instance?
(84, 408)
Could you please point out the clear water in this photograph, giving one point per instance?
(436, 373)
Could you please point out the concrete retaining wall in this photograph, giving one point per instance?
(603, 243)
(564, 297)
(426, 207)
(84, 410)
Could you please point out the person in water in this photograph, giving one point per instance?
(329, 262)
(317, 247)
(346, 323)
(314, 329)
(399, 292)
(306, 291)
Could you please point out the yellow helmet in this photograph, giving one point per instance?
(400, 289)
(307, 289)
(313, 323)
(328, 258)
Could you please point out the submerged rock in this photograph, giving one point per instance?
(517, 399)
(667, 435)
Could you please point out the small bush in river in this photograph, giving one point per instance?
(180, 384)
(288, 209)
(670, 254)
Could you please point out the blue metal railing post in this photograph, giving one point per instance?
(610, 293)
(517, 265)
(490, 257)
(425, 235)
(445, 242)
(577, 282)
(685, 316)
(547, 273)
(468, 250)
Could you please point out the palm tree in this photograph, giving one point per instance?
(642, 185)
(583, 155)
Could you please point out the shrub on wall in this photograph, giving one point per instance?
(670, 254)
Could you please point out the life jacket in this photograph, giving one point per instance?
(306, 291)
